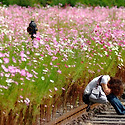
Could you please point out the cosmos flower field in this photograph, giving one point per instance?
(71, 43)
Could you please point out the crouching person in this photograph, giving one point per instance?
(103, 89)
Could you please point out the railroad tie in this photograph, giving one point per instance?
(106, 117)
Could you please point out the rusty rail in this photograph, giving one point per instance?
(71, 115)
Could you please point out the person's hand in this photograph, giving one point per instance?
(106, 89)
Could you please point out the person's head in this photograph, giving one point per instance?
(116, 86)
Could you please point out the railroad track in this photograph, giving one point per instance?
(98, 115)
(108, 116)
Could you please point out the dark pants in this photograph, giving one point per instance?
(115, 102)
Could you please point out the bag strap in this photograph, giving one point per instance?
(99, 80)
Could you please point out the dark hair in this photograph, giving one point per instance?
(116, 86)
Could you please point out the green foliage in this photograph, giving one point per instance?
(64, 2)
(43, 2)
(19, 2)
(104, 3)
(31, 3)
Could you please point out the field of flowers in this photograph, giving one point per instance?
(72, 45)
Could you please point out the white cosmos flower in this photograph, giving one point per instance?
(55, 88)
(45, 70)
(50, 96)
(21, 83)
(37, 54)
(52, 81)
(34, 60)
(26, 69)
(43, 78)
(41, 58)
(1, 61)
(9, 81)
(7, 75)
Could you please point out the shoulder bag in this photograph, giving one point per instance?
(97, 94)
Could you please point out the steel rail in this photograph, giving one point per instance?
(70, 115)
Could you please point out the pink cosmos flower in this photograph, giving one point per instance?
(37, 38)
(98, 70)
(1, 74)
(28, 52)
(59, 71)
(58, 63)
(22, 79)
(4, 68)
(63, 89)
(51, 63)
(35, 76)
(1, 54)
(14, 60)
(50, 90)
(27, 101)
(5, 87)
(23, 72)
(55, 66)
(22, 54)
(36, 44)
(34, 72)
(27, 78)
(6, 60)
(42, 55)
(66, 66)
(16, 83)
(12, 69)
(29, 74)
(54, 58)
(45, 105)
(21, 96)
(104, 47)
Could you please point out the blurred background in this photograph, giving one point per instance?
(64, 3)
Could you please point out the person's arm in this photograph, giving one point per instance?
(106, 90)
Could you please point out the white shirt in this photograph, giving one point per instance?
(94, 82)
